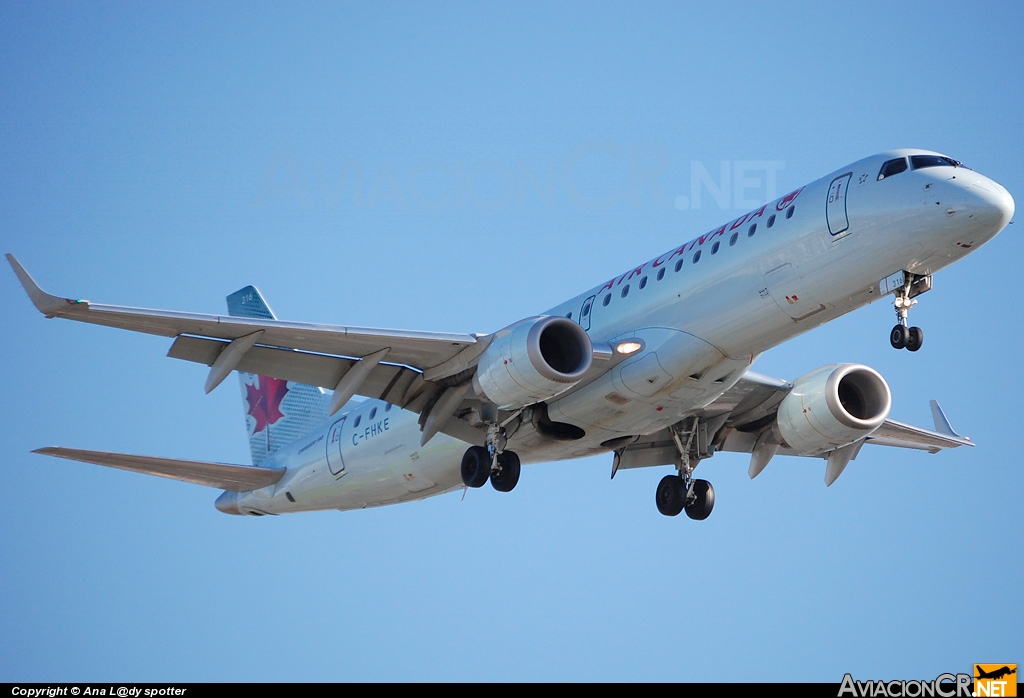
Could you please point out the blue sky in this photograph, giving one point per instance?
(456, 167)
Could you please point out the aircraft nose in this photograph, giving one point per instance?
(989, 202)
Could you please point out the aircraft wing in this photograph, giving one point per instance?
(405, 367)
(421, 350)
(237, 478)
(747, 409)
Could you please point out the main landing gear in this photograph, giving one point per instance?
(481, 463)
(680, 492)
(902, 336)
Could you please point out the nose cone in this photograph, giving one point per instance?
(989, 203)
(228, 503)
(1005, 205)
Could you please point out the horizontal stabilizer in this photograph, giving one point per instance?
(237, 478)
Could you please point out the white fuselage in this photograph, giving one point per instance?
(703, 312)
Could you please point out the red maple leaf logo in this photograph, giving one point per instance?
(265, 401)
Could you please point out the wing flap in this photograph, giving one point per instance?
(385, 382)
(237, 478)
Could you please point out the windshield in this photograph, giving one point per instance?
(892, 167)
(921, 161)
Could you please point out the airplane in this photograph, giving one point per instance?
(995, 674)
(652, 366)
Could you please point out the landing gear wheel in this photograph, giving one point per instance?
(505, 479)
(671, 495)
(915, 339)
(704, 500)
(476, 466)
(899, 337)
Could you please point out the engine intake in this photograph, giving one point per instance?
(533, 361)
(833, 406)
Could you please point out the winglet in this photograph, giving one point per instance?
(46, 304)
(942, 424)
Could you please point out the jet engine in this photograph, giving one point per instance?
(533, 361)
(833, 406)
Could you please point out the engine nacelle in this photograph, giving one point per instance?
(534, 361)
(833, 406)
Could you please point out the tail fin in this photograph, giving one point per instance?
(277, 411)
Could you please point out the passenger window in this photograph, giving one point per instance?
(892, 167)
(643, 282)
(625, 290)
(789, 211)
(732, 240)
(586, 309)
(387, 407)
(373, 413)
(750, 233)
(771, 220)
(607, 299)
(679, 265)
(359, 418)
(696, 256)
(568, 315)
(714, 248)
(661, 273)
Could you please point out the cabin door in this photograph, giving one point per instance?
(334, 441)
(586, 311)
(835, 207)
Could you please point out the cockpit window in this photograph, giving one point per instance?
(920, 161)
(892, 167)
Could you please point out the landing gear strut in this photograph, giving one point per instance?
(481, 463)
(680, 492)
(903, 336)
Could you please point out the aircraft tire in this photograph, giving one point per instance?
(670, 495)
(476, 466)
(701, 507)
(507, 476)
(915, 339)
(899, 337)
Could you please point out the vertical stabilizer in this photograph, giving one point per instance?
(277, 412)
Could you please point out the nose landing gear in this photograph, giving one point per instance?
(903, 336)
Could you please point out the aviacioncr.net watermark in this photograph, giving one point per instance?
(595, 175)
